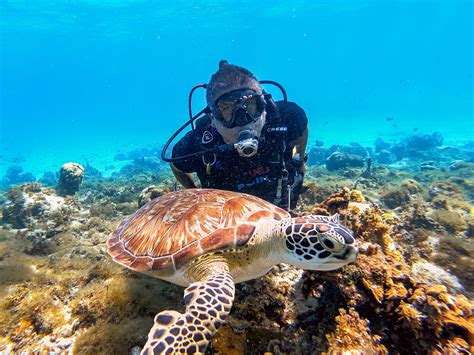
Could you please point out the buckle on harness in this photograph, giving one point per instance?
(209, 164)
(283, 178)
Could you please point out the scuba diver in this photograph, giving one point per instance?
(245, 141)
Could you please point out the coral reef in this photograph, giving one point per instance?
(31, 205)
(385, 157)
(431, 274)
(343, 339)
(48, 179)
(380, 145)
(142, 165)
(338, 160)
(395, 198)
(15, 175)
(39, 214)
(423, 141)
(317, 155)
(352, 153)
(149, 194)
(410, 290)
(139, 153)
(379, 304)
(70, 179)
(90, 172)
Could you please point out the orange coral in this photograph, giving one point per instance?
(410, 318)
(352, 334)
(433, 316)
(375, 291)
(334, 203)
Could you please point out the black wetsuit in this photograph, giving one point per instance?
(260, 175)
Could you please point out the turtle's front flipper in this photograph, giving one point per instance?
(208, 303)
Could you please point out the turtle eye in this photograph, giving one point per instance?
(331, 243)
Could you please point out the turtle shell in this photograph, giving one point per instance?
(172, 229)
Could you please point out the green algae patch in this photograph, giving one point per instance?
(51, 302)
(451, 220)
(106, 338)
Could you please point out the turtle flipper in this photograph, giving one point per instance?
(208, 303)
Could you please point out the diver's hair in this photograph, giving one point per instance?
(228, 78)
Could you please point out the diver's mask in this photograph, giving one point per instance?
(238, 108)
(239, 117)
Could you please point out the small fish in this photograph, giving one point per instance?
(395, 125)
(415, 129)
(325, 123)
(389, 118)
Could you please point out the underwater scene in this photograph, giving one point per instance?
(236, 177)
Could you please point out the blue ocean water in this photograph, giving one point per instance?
(83, 80)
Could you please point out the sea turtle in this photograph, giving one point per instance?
(208, 240)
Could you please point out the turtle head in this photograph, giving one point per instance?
(319, 243)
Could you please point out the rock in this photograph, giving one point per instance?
(434, 275)
(317, 155)
(49, 179)
(399, 151)
(31, 205)
(148, 194)
(444, 188)
(395, 198)
(412, 186)
(142, 165)
(427, 166)
(385, 157)
(135, 350)
(352, 148)
(15, 175)
(451, 220)
(459, 164)
(356, 149)
(91, 172)
(416, 146)
(70, 179)
(338, 160)
(138, 153)
(380, 145)
(423, 141)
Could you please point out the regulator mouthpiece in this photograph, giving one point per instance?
(247, 145)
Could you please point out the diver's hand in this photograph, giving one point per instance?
(185, 179)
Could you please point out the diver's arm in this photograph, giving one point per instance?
(301, 142)
(185, 179)
(300, 146)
